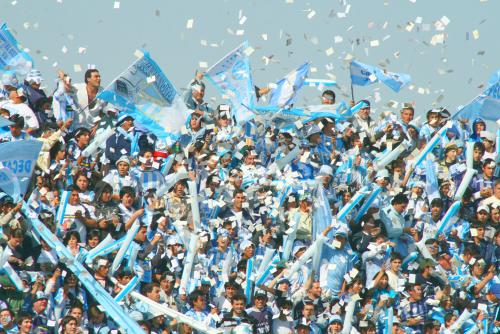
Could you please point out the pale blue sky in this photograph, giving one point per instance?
(452, 71)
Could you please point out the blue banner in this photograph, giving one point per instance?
(20, 157)
(232, 77)
(486, 105)
(9, 183)
(11, 57)
(363, 75)
(286, 91)
(322, 213)
(145, 92)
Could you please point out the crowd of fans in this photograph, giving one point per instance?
(383, 263)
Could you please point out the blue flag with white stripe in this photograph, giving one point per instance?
(11, 57)
(486, 105)
(145, 92)
(286, 89)
(363, 75)
(232, 77)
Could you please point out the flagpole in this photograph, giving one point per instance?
(352, 91)
(352, 87)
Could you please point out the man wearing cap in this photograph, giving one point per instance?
(32, 85)
(335, 324)
(320, 155)
(489, 140)
(417, 203)
(363, 122)
(8, 83)
(120, 142)
(427, 279)
(194, 98)
(299, 278)
(433, 120)
(121, 177)
(345, 135)
(16, 132)
(337, 260)
(41, 309)
(225, 131)
(261, 313)
(221, 255)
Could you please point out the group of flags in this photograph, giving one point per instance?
(145, 92)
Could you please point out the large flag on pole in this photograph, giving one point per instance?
(232, 77)
(286, 89)
(20, 157)
(11, 57)
(145, 92)
(363, 75)
(486, 105)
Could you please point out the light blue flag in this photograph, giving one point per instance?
(286, 119)
(393, 80)
(11, 57)
(320, 82)
(486, 105)
(363, 75)
(431, 180)
(286, 91)
(4, 122)
(232, 77)
(322, 213)
(145, 92)
(20, 157)
(9, 183)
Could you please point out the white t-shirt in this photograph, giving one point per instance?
(21, 109)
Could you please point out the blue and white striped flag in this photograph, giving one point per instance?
(286, 89)
(145, 92)
(232, 77)
(11, 57)
(486, 105)
(363, 75)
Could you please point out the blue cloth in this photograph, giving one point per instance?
(486, 105)
(144, 92)
(363, 75)
(232, 74)
(286, 91)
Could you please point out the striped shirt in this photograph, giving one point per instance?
(148, 179)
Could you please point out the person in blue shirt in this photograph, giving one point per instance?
(119, 144)
(16, 130)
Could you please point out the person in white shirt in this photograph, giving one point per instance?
(16, 106)
(86, 94)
